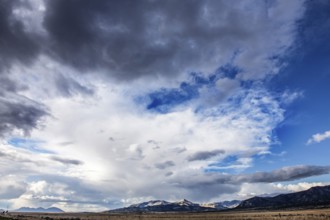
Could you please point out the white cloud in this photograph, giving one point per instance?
(133, 143)
(112, 165)
(319, 137)
(288, 97)
(299, 186)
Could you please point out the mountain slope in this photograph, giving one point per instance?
(313, 197)
(40, 209)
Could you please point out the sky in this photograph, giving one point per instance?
(108, 103)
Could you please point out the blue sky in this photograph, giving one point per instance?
(308, 72)
(101, 111)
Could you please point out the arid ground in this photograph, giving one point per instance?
(246, 215)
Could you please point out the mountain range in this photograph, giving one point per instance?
(315, 197)
(179, 206)
(40, 210)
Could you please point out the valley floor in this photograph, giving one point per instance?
(314, 214)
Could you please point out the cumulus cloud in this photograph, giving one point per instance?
(319, 137)
(111, 166)
(299, 186)
(178, 135)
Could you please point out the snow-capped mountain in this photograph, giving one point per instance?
(185, 202)
(150, 203)
(164, 206)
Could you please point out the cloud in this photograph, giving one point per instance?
(68, 86)
(214, 185)
(204, 155)
(11, 188)
(15, 43)
(60, 191)
(164, 165)
(283, 174)
(67, 161)
(107, 165)
(299, 186)
(319, 137)
(19, 113)
(249, 190)
(157, 39)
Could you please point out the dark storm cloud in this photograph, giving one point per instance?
(134, 38)
(15, 43)
(280, 175)
(67, 161)
(204, 155)
(284, 174)
(8, 84)
(165, 165)
(19, 112)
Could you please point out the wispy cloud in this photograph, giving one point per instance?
(205, 155)
(67, 161)
(319, 137)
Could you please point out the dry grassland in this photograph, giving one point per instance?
(250, 215)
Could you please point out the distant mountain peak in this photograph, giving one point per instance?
(185, 202)
(40, 209)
